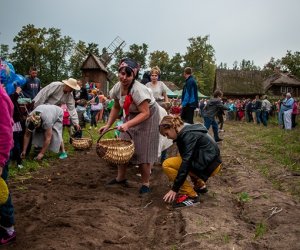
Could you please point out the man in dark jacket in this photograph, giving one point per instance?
(210, 111)
(33, 84)
(199, 158)
(189, 98)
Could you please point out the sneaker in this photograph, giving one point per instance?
(221, 130)
(5, 238)
(144, 189)
(63, 155)
(123, 183)
(20, 166)
(219, 140)
(185, 201)
(201, 190)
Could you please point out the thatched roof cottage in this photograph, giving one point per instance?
(238, 83)
(282, 83)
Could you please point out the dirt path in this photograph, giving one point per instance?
(68, 206)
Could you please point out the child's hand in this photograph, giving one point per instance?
(170, 196)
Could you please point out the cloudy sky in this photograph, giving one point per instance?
(239, 29)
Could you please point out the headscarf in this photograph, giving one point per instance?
(131, 64)
(134, 67)
(33, 121)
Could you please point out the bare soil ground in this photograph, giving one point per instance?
(69, 206)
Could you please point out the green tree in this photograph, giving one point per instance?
(248, 65)
(29, 48)
(77, 58)
(57, 51)
(136, 52)
(44, 48)
(222, 66)
(291, 62)
(93, 48)
(201, 57)
(272, 64)
(160, 59)
(175, 70)
(235, 65)
(4, 51)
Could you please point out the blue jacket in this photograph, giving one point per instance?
(287, 104)
(190, 93)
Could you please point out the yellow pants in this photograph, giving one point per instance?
(171, 167)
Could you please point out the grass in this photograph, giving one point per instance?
(244, 197)
(260, 230)
(283, 145)
(226, 239)
(275, 152)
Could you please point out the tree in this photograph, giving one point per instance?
(77, 59)
(160, 59)
(222, 66)
(201, 57)
(235, 65)
(93, 49)
(57, 52)
(29, 48)
(175, 70)
(4, 51)
(44, 48)
(248, 65)
(291, 62)
(136, 52)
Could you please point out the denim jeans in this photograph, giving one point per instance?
(7, 218)
(265, 118)
(212, 122)
(258, 116)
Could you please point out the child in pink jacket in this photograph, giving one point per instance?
(7, 221)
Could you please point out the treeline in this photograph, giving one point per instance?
(56, 58)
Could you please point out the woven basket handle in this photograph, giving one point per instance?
(110, 129)
(88, 133)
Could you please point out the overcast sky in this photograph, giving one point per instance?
(239, 29)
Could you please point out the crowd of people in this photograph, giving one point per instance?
(258, 111)
(34, 118)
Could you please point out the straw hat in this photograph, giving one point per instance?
(71, 82)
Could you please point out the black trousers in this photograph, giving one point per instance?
(187, 114)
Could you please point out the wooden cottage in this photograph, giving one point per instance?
(280, 83)
(93, 70)
(172, 86)
(239, 83)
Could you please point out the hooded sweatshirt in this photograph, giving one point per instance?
(6, 126)
(212, 107)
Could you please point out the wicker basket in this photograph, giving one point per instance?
(116, 150)
(82, 143)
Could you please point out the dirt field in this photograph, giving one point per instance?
(69, 206)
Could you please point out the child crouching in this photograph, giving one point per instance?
(199, 158)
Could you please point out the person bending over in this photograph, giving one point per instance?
(199, 158)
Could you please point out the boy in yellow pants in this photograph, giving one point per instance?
(199, 158)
